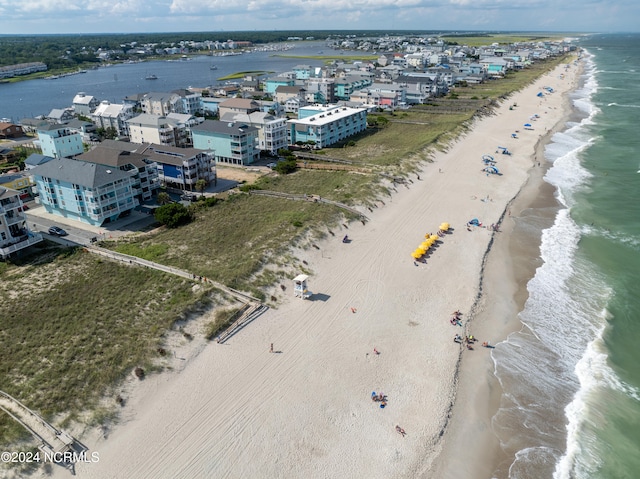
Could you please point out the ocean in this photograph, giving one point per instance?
(570, 407)
(28, 99)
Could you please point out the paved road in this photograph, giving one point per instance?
(81, 234)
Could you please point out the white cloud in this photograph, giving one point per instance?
(74, 16)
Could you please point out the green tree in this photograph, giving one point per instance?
(173, 215)
(286, 166)
(111, 133)
(163, 198)
(201, 186)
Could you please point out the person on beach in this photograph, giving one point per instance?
(271, 348)
(376, 351)
(400, 431)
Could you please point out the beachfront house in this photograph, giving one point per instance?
(15, 235)
(231, 142)
(122, 155)
(87, 192)
(58, 141)
(325, 125)
(180, 168)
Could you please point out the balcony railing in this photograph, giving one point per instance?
(15, 218)
(30, 240)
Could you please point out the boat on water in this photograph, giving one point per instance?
(151, 77)
(213, 67)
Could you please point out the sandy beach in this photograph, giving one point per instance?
(235, 410)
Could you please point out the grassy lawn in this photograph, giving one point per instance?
(237, 75)
(73, 325)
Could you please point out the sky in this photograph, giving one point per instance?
(141, 16)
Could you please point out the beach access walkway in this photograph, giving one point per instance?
(55, 444)
(251, 309)
(312, 198)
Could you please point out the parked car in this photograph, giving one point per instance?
(57, 231)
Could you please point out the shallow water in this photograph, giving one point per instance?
(570, 407)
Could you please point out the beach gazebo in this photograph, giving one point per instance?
(300, 289)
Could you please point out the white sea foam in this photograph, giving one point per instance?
(561, 317)
(623, 106)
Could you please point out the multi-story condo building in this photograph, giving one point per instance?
(14, 232)
(322, 90)
(272, 130)
(233, 143)
(189, 102)
(343, 88)
(10, 71)
(58, 141)
(182, 129)
(112, 115)
(159, 103)
(86, 192)
(180, 168)
(122, 155)
(147, 128)
(326, 125)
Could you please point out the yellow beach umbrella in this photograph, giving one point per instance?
(434, 238)
(444, 226)
(416, 254)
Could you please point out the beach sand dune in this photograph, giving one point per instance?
(236, 410)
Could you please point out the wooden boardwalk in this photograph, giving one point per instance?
(53, 443)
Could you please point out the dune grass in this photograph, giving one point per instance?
(74, 325)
